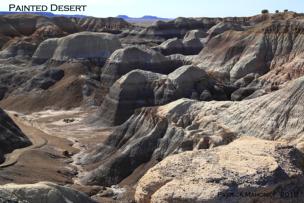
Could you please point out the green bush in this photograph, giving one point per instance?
(264, 11)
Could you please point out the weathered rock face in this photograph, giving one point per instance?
(80, 46)
(111, 25)
(272, 47)
(154, 133)
(41, 192)
(130, 58)
(11, 137)
(140, 88)
(225, 174)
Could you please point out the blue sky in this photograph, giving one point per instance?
(172, 8)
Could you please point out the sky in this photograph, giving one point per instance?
(170, 8)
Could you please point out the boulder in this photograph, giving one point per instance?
(246, 170)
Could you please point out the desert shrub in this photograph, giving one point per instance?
(264, 11)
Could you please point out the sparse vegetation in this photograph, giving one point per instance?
(286, 10)
(264, 11)
(277, 11)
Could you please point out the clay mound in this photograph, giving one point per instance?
(170, 46)
(226, 174)
(131, 91)
(11, 137)
(130, 58)
(80, 46)
(42, 192)
(140, 88)
(191, 44)
(195, 34)
(151, 134)
(45, 51)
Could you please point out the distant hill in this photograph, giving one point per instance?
(145, 18)
(46, 14)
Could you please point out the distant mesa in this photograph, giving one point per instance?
(146, 18)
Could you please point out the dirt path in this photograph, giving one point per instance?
(35, 136)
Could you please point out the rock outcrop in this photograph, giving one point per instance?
(151, 134)
(80, 46)
(40, 193)
(246, 170)
(11, 137)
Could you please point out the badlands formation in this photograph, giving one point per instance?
(187, 110)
